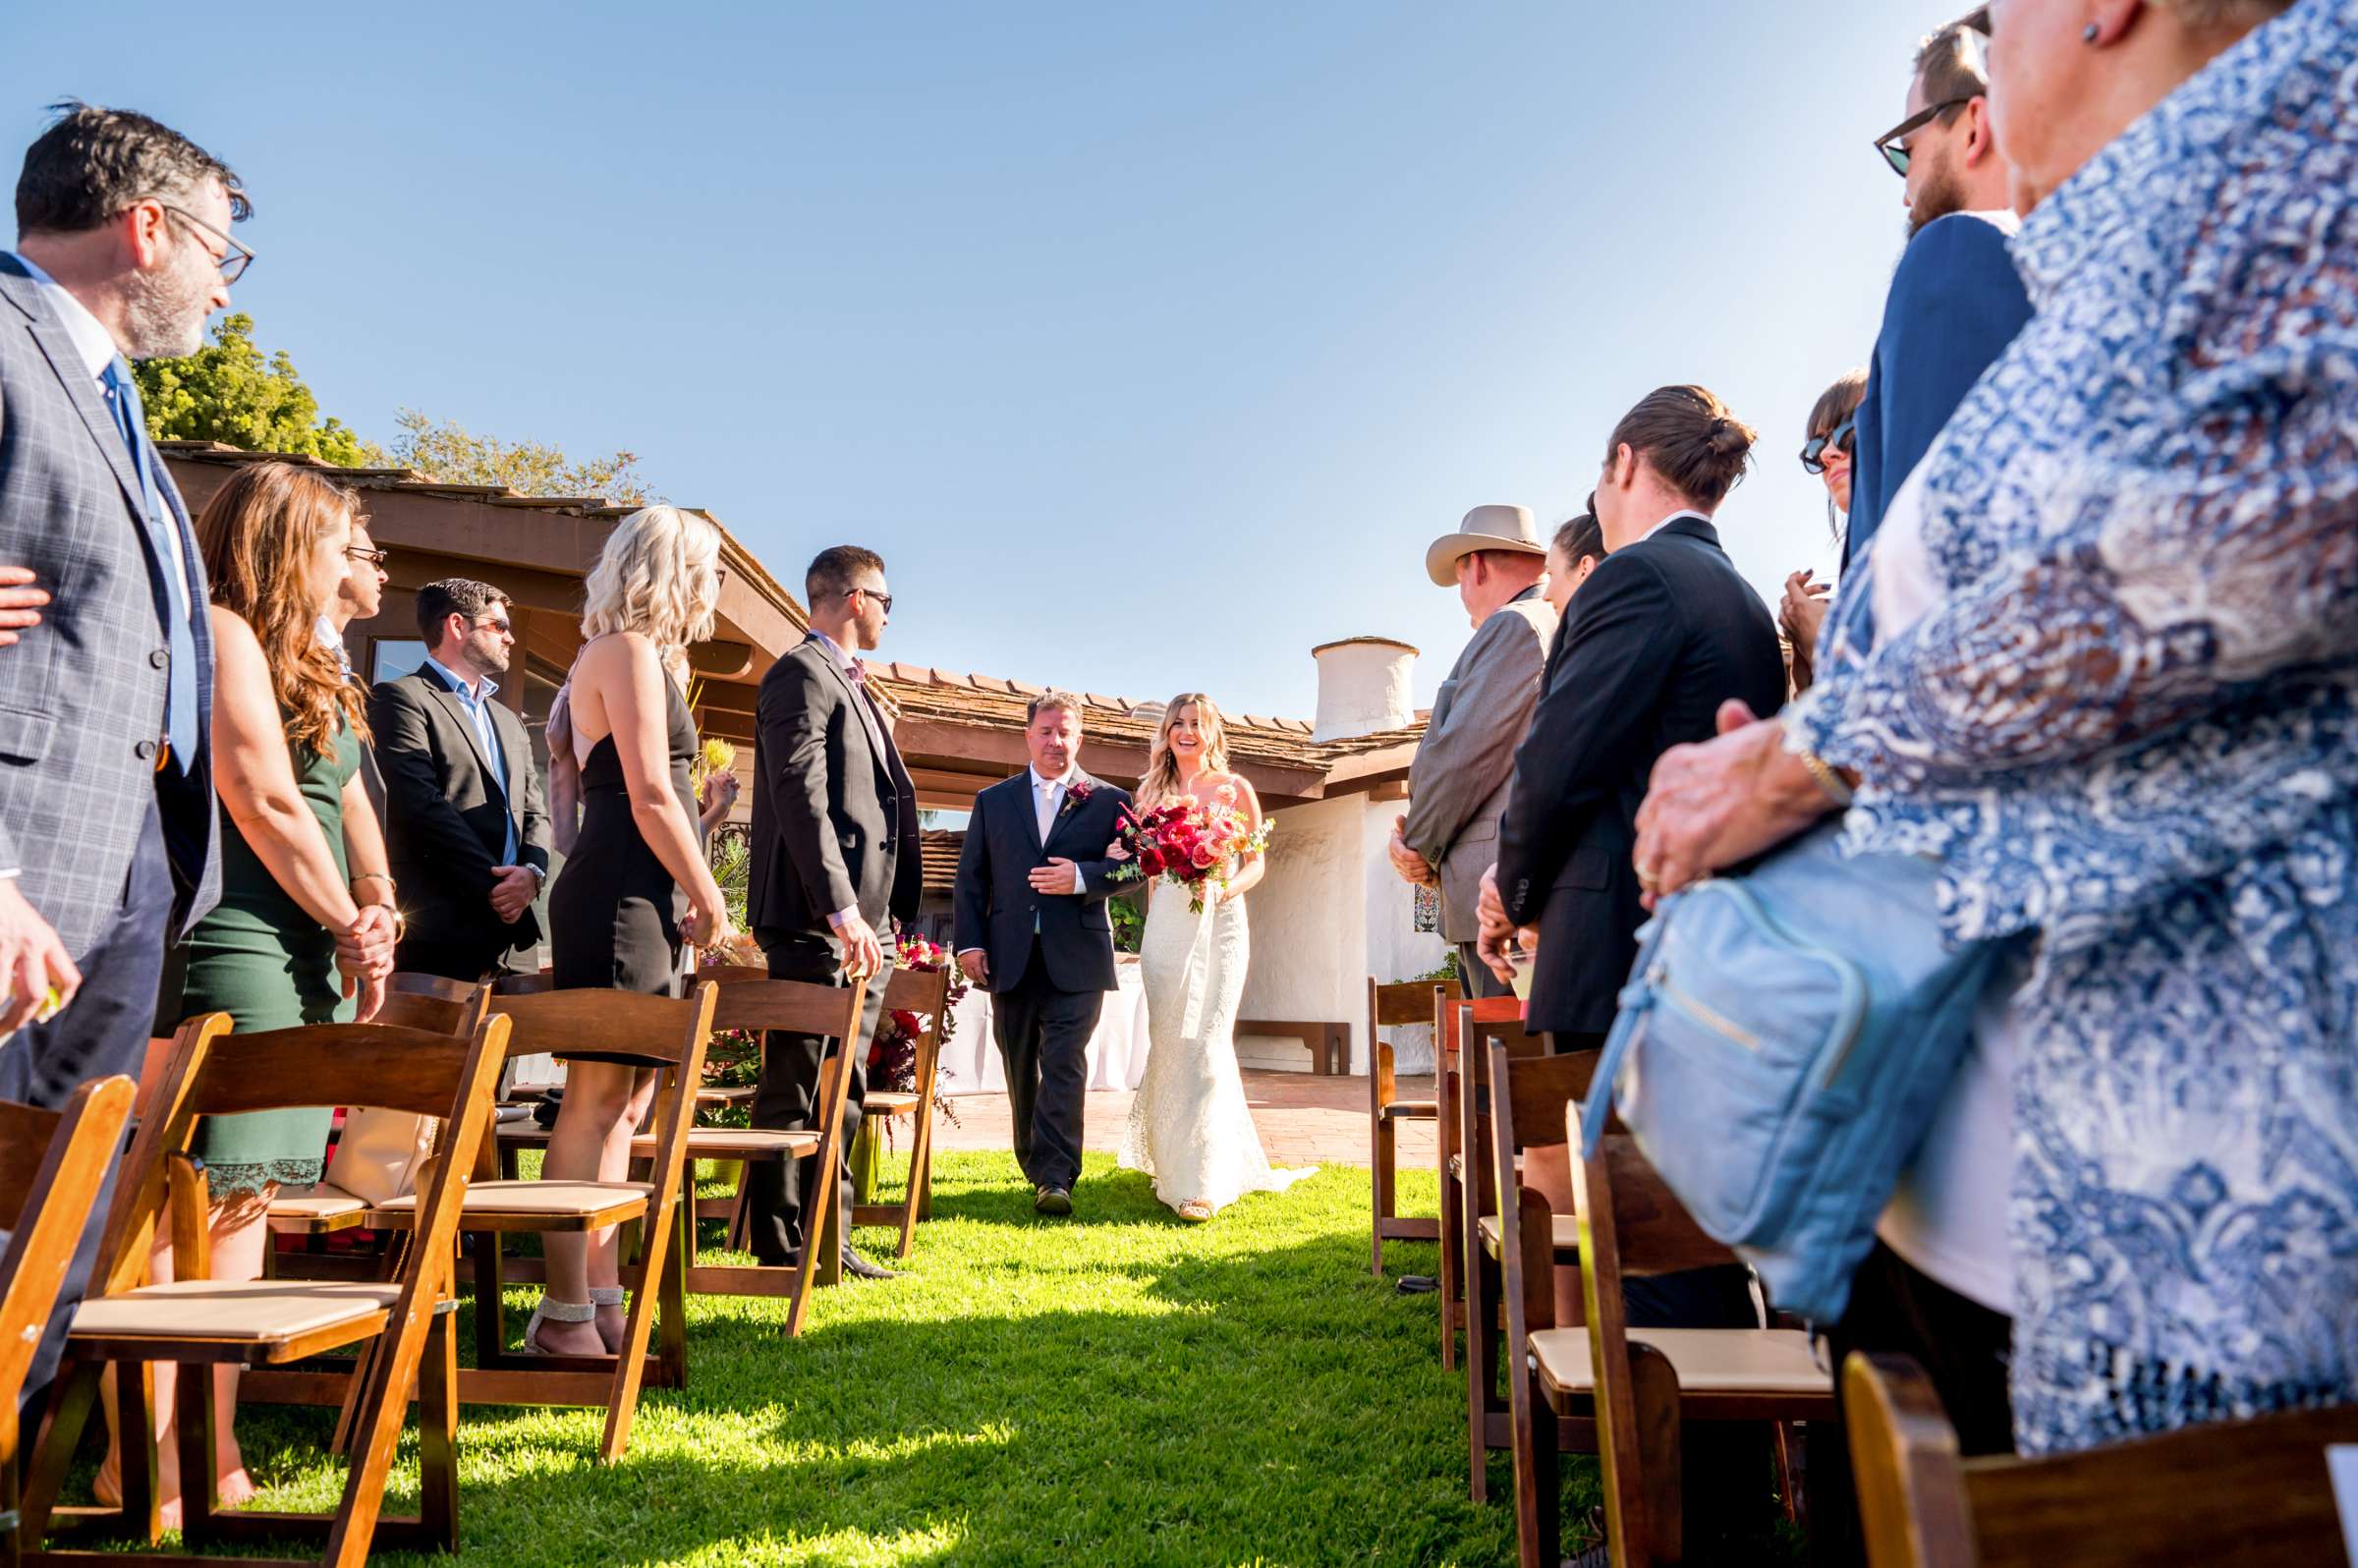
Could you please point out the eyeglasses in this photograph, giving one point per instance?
(375, 558)
(234, 259)
(1844, 436)
(883, 599)
(1893, 143)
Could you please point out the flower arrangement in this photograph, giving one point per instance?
(1188, 842)
(892, 1054)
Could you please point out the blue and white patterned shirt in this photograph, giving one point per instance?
(2132, 726)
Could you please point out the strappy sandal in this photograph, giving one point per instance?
(1195, 1209)
(555, 1311)
(606, 1295)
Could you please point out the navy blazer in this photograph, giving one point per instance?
(995, 906)
(1955, 303)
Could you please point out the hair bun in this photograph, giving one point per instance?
(1730, 438)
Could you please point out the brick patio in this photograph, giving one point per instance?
(1304, 1120)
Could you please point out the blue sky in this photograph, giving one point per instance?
(1151, 344)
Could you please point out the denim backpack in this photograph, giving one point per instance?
(1781, 1049)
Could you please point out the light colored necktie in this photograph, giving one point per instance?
(1044, 807)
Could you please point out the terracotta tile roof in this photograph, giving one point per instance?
(409, 481)
(941, 847)
(922, 692)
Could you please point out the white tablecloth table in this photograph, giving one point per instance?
(1117, 1051)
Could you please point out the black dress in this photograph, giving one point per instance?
(615, 913)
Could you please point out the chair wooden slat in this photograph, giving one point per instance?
(1392, 1007)
(925, 992)
(54, 1164)
(1460, 1018)
(376, 1064)
(2251, 1492)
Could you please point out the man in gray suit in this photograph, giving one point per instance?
(1457, 784)
(107, 829)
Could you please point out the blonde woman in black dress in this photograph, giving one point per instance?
(636, 889)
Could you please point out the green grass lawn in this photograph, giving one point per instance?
(1120, 1387)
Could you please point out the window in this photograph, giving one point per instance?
(391, 659)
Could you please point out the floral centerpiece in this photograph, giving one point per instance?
(892, 1054)
(1189, 841)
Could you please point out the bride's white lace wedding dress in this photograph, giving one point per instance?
(1190, 1128)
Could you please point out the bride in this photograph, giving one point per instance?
(1190, 1128)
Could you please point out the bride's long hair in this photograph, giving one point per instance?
(1161, 781)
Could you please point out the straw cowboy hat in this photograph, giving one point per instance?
(1486, 528)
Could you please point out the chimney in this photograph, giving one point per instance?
(1363, 687)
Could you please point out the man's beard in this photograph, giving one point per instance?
(164, 314)
(1942, 193)
(490, 657)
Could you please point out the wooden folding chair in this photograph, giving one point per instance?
(1389, 1007)
(1638, 1385)
(751, 999)
(52, 1164)
(670, 1035)
(199, 1323)
(320, 1210)
(2254, 1493)
(1548, 1082)
(925, 992)
(1461, 1021)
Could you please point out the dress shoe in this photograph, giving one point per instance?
(859, 1267)
(1052, 1201)
(1415, 1284)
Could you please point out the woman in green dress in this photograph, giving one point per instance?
(305, 929)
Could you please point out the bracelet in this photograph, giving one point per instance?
(1826, 778)
(376, 876)
(400, 924)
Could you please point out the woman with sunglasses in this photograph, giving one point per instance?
(1827, 453)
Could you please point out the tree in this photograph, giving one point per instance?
(446, 451)
(227, 391)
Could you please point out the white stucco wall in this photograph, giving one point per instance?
(1397, 949)
(1330, 913)
(1309, 927)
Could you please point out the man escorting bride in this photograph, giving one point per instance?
(1190, 1128)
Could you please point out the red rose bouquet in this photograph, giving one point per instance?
(1187, 842)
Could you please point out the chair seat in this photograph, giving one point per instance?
(315, 1203)
(1709, 1361)
(255, 1312)
(703, 1142)
(734, 1143)
(725, 1094)
(889, 1102)
(1565, 1226)
(537, 1199)
(1413, 1110)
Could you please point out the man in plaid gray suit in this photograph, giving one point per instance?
(107, 828)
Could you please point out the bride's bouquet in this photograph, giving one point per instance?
(1187, 842)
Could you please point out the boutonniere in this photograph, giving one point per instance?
(1077, 796)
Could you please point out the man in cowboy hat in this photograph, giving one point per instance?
(1457, 784)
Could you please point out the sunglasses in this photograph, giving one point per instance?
(883, 600)
(1893, 143)
(1843, 436)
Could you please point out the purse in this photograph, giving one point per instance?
(376, 1159)
(1782, 1048)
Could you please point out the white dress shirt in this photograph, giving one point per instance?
(96, 347)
